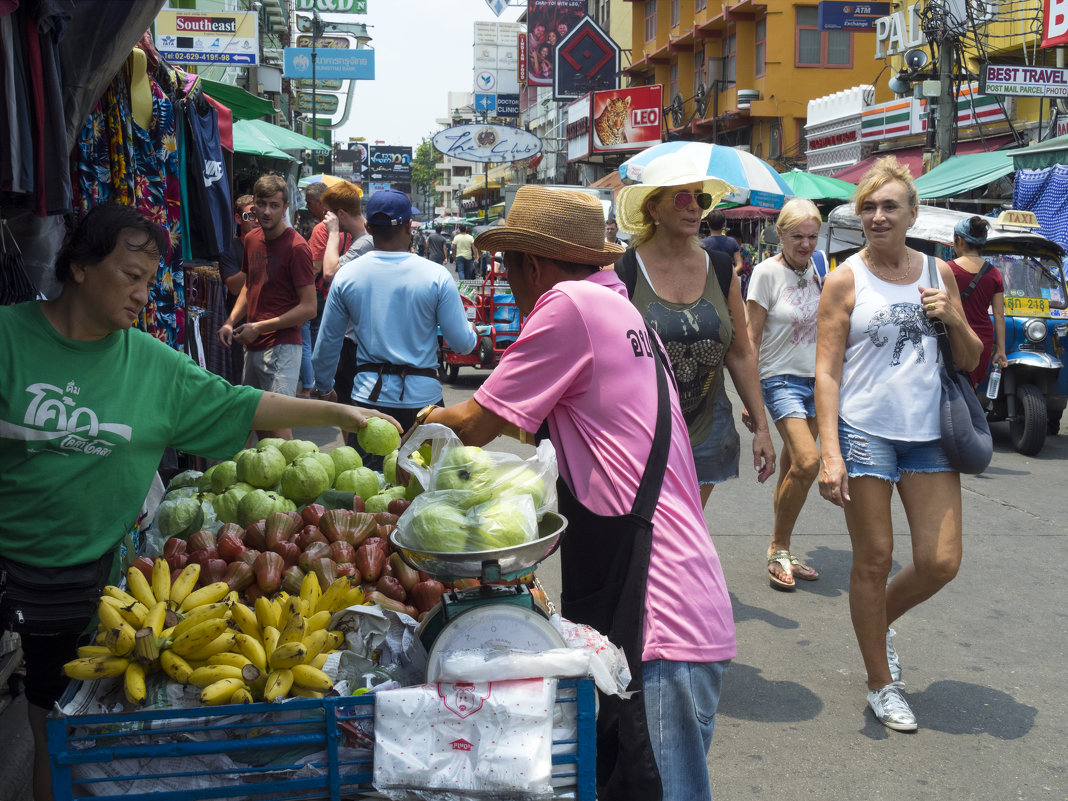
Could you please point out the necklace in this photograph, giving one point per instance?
(799, 273)
(889, 279)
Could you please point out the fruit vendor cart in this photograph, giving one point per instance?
(491, 306)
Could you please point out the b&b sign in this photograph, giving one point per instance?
(333, 6)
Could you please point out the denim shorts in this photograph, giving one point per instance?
(789, 396)
(681, 699)
(276, 369)
(716, 457)
(868, 455)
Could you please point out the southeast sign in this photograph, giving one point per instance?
(486, 143)
(208, 37)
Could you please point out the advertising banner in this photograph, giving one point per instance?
(208, 37)
(390, 163)
(486, 143)
(333, 6)
(626, 119)
(578, 129)
(587, 60)
(1054, 22)
(1023, 81)
(834, 15)
(548, 23)
(494, 57)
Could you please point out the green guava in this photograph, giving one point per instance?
(256, 505)
(304, 479)
(440, 526)
(204, 482)
(324, 460)
(292, 448)
(380, 502)
(466, 467)
(180, 517)
(378, 437)
(261, 466)
(389, 467)
(520, 480)
(503, 523)
(363, 481)
(345, 458)
(272, 442)
(180, 492)
(223, 476)
(187, 478)
(226, 503)
(414, 489)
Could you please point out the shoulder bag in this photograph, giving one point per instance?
(965, 432)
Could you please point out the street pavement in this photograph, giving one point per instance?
(983, 660)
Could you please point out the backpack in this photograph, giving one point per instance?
(627, 270)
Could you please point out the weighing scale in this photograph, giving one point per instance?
(502, 617)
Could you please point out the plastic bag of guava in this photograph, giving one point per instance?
(481, 475)
(448, 521)
(187, 478)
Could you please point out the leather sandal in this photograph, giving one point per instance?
(801, 570)
(782, 558)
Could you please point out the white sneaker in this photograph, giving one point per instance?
(892, 657)
(891, 708)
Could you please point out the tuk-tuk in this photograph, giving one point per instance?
(1034, 388)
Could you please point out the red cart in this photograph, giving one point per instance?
(491, 306)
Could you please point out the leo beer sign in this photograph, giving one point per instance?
(626, 119)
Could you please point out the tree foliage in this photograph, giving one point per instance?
(424, 172)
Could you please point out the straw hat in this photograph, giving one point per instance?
(559, 223)
(671, 169)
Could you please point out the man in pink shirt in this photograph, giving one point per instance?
(637, 561)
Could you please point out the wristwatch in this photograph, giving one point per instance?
(420, 418)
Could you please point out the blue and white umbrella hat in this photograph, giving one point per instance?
(757, 183)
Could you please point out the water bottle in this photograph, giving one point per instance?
(994, 383)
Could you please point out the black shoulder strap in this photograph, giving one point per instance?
(987, 267)
(627, 270)
(724, 267)
(648, 495)
(941, 336)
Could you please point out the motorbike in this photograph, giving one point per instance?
(1033, 389)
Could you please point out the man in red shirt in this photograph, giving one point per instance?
(278, 296)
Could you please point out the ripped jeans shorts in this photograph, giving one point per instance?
(869, 455)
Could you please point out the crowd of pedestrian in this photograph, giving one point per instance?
(351, 314)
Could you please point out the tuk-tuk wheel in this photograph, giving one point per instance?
(448, 372)
(1028, 427)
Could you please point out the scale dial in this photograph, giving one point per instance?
(493, 626)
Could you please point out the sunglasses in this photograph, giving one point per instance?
(248, 216)
(683, 200)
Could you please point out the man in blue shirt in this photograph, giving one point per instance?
(396, 302)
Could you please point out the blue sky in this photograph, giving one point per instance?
(422, 52)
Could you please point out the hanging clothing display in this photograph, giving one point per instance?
(33, 157)
(117, 160)
(209, 189)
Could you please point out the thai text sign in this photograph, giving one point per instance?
(486, 143)
(1013, 79)
(356, 65)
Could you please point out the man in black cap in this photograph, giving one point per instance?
(396, 302)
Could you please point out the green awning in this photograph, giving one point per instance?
(251, 142)
(281, 138)
(1042, 154)
(959, 174)
(244, 105)
(818, 187)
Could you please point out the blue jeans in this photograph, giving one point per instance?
(307, 342)
(680, 703)
(463, 268)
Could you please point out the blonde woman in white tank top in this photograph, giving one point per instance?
(876, 310)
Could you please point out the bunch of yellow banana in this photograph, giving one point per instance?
(209, 638)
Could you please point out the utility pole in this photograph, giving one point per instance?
(947, 101)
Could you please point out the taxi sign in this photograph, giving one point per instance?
(1018, 219)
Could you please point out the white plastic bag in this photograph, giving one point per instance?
(452, 742)
(608, 664)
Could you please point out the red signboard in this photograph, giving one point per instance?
(521, 61)
(626, 119)
(1054, 23)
